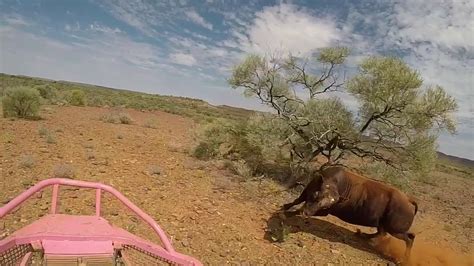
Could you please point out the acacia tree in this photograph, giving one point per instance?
(396, 122)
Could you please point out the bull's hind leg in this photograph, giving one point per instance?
(380, 232)
(409, 238)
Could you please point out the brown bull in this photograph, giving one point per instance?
(361, 201)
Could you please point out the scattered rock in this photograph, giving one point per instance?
(335, 251)
(185, 243)
(6, 201)
(154, 170)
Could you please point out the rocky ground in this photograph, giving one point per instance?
(208, 212)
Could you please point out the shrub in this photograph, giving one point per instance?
(242, 168)
(117, 118)
(43, 131)
(63, 171)
(150, 123)
(77, 98)
(21, 102)
(124, 118)
(203, 151)
(46, 92)
(27, 161)
(237, 141)
(50, 138)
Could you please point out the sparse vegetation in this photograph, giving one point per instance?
(90, 155)
(63, 171)
(77, 98)
(241, 168)
(106, 97)
(154, 170)
(43, 131)
(27, 161)
(150, 123)
(50, 138)
(47, 92)
(22, 102)
(117, 117)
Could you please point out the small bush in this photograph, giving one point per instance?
(117, 118)
(21, 102)
(43, 131)
(46, 92)
(27, 161)
(203, 151)
(63, 171)
(50, 138)
(242, 169)
(150, 123)
(124, 118)
(77, 98)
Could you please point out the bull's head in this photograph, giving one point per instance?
(321, 200)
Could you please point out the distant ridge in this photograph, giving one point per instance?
(455, 159)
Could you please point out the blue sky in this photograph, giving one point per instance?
(187, 48)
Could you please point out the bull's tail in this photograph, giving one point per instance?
(413, 201)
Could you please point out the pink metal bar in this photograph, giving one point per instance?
(54, 200)
(76, 183)
(24, 261)
(98, 193)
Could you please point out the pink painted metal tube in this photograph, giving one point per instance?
(54, 199)
(98, 193)
(76, 183)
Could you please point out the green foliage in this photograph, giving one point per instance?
(397, 121)
(334, 55)
(204, 151)
(23, 102)
(230, 140)
(77, 98)
(47, 92)
(387, 174)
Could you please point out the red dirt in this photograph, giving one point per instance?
(208, 212)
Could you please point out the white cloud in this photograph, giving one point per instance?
(103, 29)
(139, 14)
(108, 60)
(15, 20)
(198, 19)
(435, 37)
(448, 24)
(183, 59)
(287, 28)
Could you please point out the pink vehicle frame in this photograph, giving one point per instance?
(74, 239)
